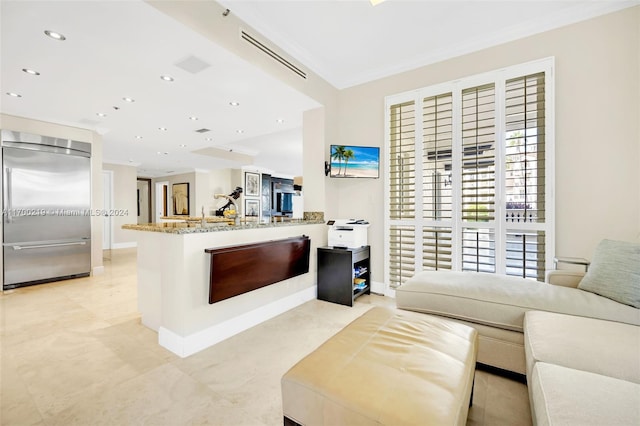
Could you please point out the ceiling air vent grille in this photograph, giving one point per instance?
(203, 130)
(251, 40)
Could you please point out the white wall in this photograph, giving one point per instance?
(597, 132)
(21, 124)
(124, 203)
(219, 183)
(202, 192)
(313, 154)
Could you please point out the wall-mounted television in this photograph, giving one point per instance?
(350, 161)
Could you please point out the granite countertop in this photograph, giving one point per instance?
(195, 227)
(209, 219)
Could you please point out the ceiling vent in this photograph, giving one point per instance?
(255, 43)
(193, 64)
(203, 130)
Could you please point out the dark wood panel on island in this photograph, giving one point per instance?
(235, 270)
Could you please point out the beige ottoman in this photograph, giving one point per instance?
(388, 367)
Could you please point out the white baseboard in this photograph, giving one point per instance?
(390, 293)
(189, 345)
(378, 287)
(131, 244)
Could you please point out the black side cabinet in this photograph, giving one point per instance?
(343, 274)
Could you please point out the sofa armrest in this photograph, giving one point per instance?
(564, 278)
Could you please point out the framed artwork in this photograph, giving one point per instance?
(251, 208)
(180, 193)
(251, 184)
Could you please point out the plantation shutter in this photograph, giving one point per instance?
(437, 246)
(402, 192)
(437, 118)
(478, 158)
(468, 179)
(402, 253)
(525, 165)
(526, 254)
(437, 200)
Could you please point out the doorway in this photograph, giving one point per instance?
(161, 200)
(144, 200)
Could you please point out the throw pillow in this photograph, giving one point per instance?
(614, 272)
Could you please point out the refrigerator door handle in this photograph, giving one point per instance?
(18, 247)
(8, 191)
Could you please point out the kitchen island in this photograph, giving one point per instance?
(173, 280)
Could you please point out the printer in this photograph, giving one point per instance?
(347, 233)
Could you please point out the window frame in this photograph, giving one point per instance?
(499, 225)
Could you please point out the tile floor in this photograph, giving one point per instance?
(75, 353)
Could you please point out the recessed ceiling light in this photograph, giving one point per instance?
(29, 71)
(234, 103)
(166, 78)
(138, 137)
(164, 129)
(208, 139)
(54, 35)
(15, 95)
(182, 145)
(126, 99)
(239, 131)
(192, 118)
(162, 153)
(101, 114)
(280, 120)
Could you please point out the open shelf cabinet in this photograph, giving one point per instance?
(343, 274)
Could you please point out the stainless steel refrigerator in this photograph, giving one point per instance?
(46, 184)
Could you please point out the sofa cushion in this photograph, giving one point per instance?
(501, 301)
(564, 396)
(603, 347)
(615, 272)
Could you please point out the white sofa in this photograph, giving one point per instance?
(495, 305)
(576, 337)
(582, 371)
